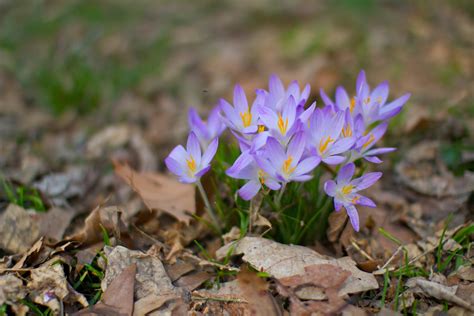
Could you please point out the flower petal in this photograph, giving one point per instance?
(240, 99)
(194, 148)
(342, 99)
(307, 165)
(334, 160)
(330, 188)
(345, 174)
(174, 166)
(272, 184)
(366, 180)
(210, 152)
(353, 216)
(249, 190)
(364, 201)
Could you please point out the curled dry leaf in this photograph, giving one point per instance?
(48, 286)
(438, 291)
(107, 217)
(288, 260)
(161, 192)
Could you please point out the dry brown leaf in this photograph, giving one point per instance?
(160, 192)
(49, 287)
(438, 291)
(319, 282)
(118, 299)
(120, 292)
(20, 228)
(150, 303)
(422, 170)
(17, 229)
(107, 217)
(30, 254)
(288, 260)
(192, 281)
(255, 291)
(151, 277)
(177, 270)
(11, 289)
(465, 273)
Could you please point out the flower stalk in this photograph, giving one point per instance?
(208, 207)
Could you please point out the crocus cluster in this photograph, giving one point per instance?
(282, 140)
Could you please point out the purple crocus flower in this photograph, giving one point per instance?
(344, 191)
(287, 165)
(241, 117)
(363, 146)
(190, 164)
(324, 131)
(370, 104)
(277, 96)
(206, 131)
(245, 167)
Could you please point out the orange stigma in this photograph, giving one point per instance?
(287, 166)
(352, 105)
(323, 144)
(347, 131)
(369, 141)
(191, 164)
(246, 118)
(282, 125)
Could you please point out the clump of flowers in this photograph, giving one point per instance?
(287, 147)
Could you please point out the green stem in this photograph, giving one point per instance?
(279, 196)
(209, 208)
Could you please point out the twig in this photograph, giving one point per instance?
(365, 254)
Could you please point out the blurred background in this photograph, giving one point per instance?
(80, 77)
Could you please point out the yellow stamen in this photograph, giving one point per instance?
(282, 125)
(347, 189)
(261, 176)
(369, 141)
(261, 128)
(287, 166)
(379, 100)
(353, 103)
(191, 164)
(323, 144)
(246, 118)
(367, 100)
(347, 131)
(355, 199)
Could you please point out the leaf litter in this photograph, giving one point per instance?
(39, 251)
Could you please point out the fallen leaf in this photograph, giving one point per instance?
(108, 218)
(255, 291)
(31, 254)
(151, 303)
(11, 289)
(49, 287)
(120, 292)
(282, 261)
(17, 229)
(465, 273)
(438, 291)
(192, 281)
(160, 192)
(151, 277)
(20, 228)
(118, 299)
(319, 282)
